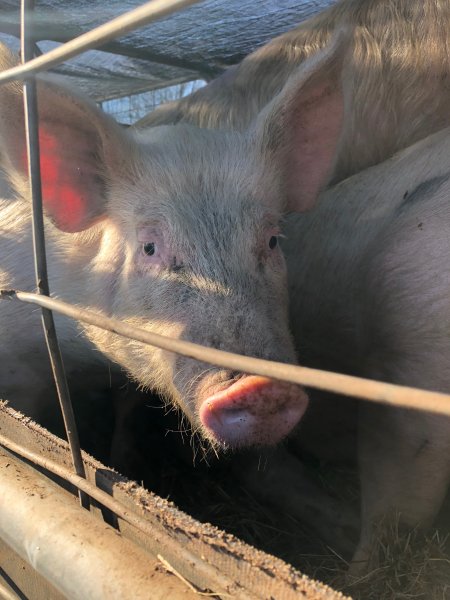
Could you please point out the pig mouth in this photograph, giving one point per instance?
(251, 411)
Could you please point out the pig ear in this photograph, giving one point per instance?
(299, 131)
(78, 148)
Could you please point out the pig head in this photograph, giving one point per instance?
(174, 230)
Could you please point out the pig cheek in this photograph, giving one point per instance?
(146, 300)
(273, 262)
(276, 276)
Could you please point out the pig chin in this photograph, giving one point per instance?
(250, 411)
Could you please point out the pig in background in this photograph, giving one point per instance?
(396, 81)
(369, 287)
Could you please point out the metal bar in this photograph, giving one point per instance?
(6, 593)
(150, 11)
(145, 88)
(79, 482)
(40, 261)
(46, 31)
(80, 555)
(348, 385)
(208, 574)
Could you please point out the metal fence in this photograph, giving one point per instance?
(129, 109)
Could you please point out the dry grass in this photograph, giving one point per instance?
(410, 566)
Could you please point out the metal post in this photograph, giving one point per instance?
(32, 140)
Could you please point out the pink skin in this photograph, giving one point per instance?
(253, 411)
(153, 252)
(248, 411)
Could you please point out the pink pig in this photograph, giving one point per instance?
(175, 230)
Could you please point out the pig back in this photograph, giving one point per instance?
(395, 79)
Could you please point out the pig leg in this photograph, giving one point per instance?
(404, 463)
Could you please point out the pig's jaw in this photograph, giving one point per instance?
(252, 411)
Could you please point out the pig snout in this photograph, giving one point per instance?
(252, 411)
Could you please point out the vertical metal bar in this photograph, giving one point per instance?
(32, 140)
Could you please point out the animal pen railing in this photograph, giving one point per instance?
(153, 531)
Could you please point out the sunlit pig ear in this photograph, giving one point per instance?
(298, 133)
(80, 148)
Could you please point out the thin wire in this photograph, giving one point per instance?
(40, 261)
(356, 387)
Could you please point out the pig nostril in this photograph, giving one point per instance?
(228, 377)
(235, 374)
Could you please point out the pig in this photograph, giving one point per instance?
(369, 285)
(395, 83)
(174, 229)
(137, 228)
(177, 229)
(396, 80)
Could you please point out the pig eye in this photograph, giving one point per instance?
(273, 242)
(149, 248)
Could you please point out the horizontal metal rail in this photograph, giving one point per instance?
(78, 554)
(207, 572)
(348, 385)
(47, 31)
(80, 483)
(148, 12)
